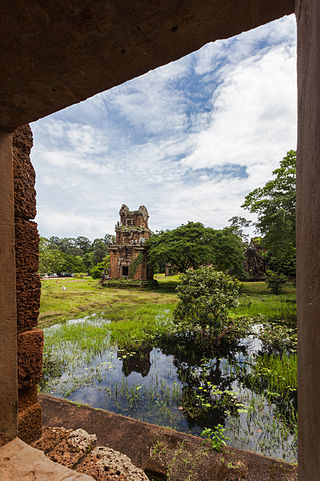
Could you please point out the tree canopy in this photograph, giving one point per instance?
(275, 204)
(50, 258)
(68, 255)
(192, 245)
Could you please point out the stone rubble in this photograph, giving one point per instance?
(77, 450)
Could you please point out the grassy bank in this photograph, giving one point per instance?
(63, 299)
(256, 299)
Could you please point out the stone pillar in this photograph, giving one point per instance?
(308, 237)
(8, 318)
(30, 339)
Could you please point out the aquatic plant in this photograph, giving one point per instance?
(215, 436)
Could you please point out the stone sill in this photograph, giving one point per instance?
(21, 462)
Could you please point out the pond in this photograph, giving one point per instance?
(172, 384)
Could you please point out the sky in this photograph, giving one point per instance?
(189, 139)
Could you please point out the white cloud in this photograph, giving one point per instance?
(254, 115)
(151, 102)
(229, 108)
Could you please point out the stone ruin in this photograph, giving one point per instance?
(254, 263)
(128, 256)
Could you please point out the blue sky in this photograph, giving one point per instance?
(189, 140)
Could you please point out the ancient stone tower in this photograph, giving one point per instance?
(128, 256)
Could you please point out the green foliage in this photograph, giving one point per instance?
(80, 275)
(237, 224)
(70, 255)
(275, 204)
(88, 261)
(192, 245)
(81, 245)
(70, 265)
(277, 376)
(96, 271)
(50, 258)
(67, 245)
(215, 436)
(280, 372)
(100, 249)
(275, 281)
(277, 335)
(205, 297)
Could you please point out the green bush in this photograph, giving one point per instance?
(79, 275)
(275, 281)
(205, 297)
(96, 271)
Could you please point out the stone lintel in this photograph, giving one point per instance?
(93, 46)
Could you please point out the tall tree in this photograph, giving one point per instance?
(100, 249)
(50, 258)
(193, 245)
(237, 226)
(67, 245)
(275, 204)
(83, 243)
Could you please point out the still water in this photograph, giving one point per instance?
(170, 385)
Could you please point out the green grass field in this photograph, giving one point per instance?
(256, 299)
(85, 296)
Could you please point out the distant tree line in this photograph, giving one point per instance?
(69, 255)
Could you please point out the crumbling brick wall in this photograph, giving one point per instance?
(30, 339)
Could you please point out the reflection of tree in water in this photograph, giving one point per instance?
(136, 361)
(205, 384)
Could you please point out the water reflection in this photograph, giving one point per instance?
(172, 384)
(135, 361)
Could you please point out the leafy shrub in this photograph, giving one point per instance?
(205, 297)
(79, 275)
(96, 271)
(275, 281)
(216, 436)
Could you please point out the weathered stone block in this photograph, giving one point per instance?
(27, 246)
(24, 174)
(28, 300)
(51, 437)
(27, 281)
(22, 139)
(30, 347)
(30, 423)
(27, 397)
(73, 448)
